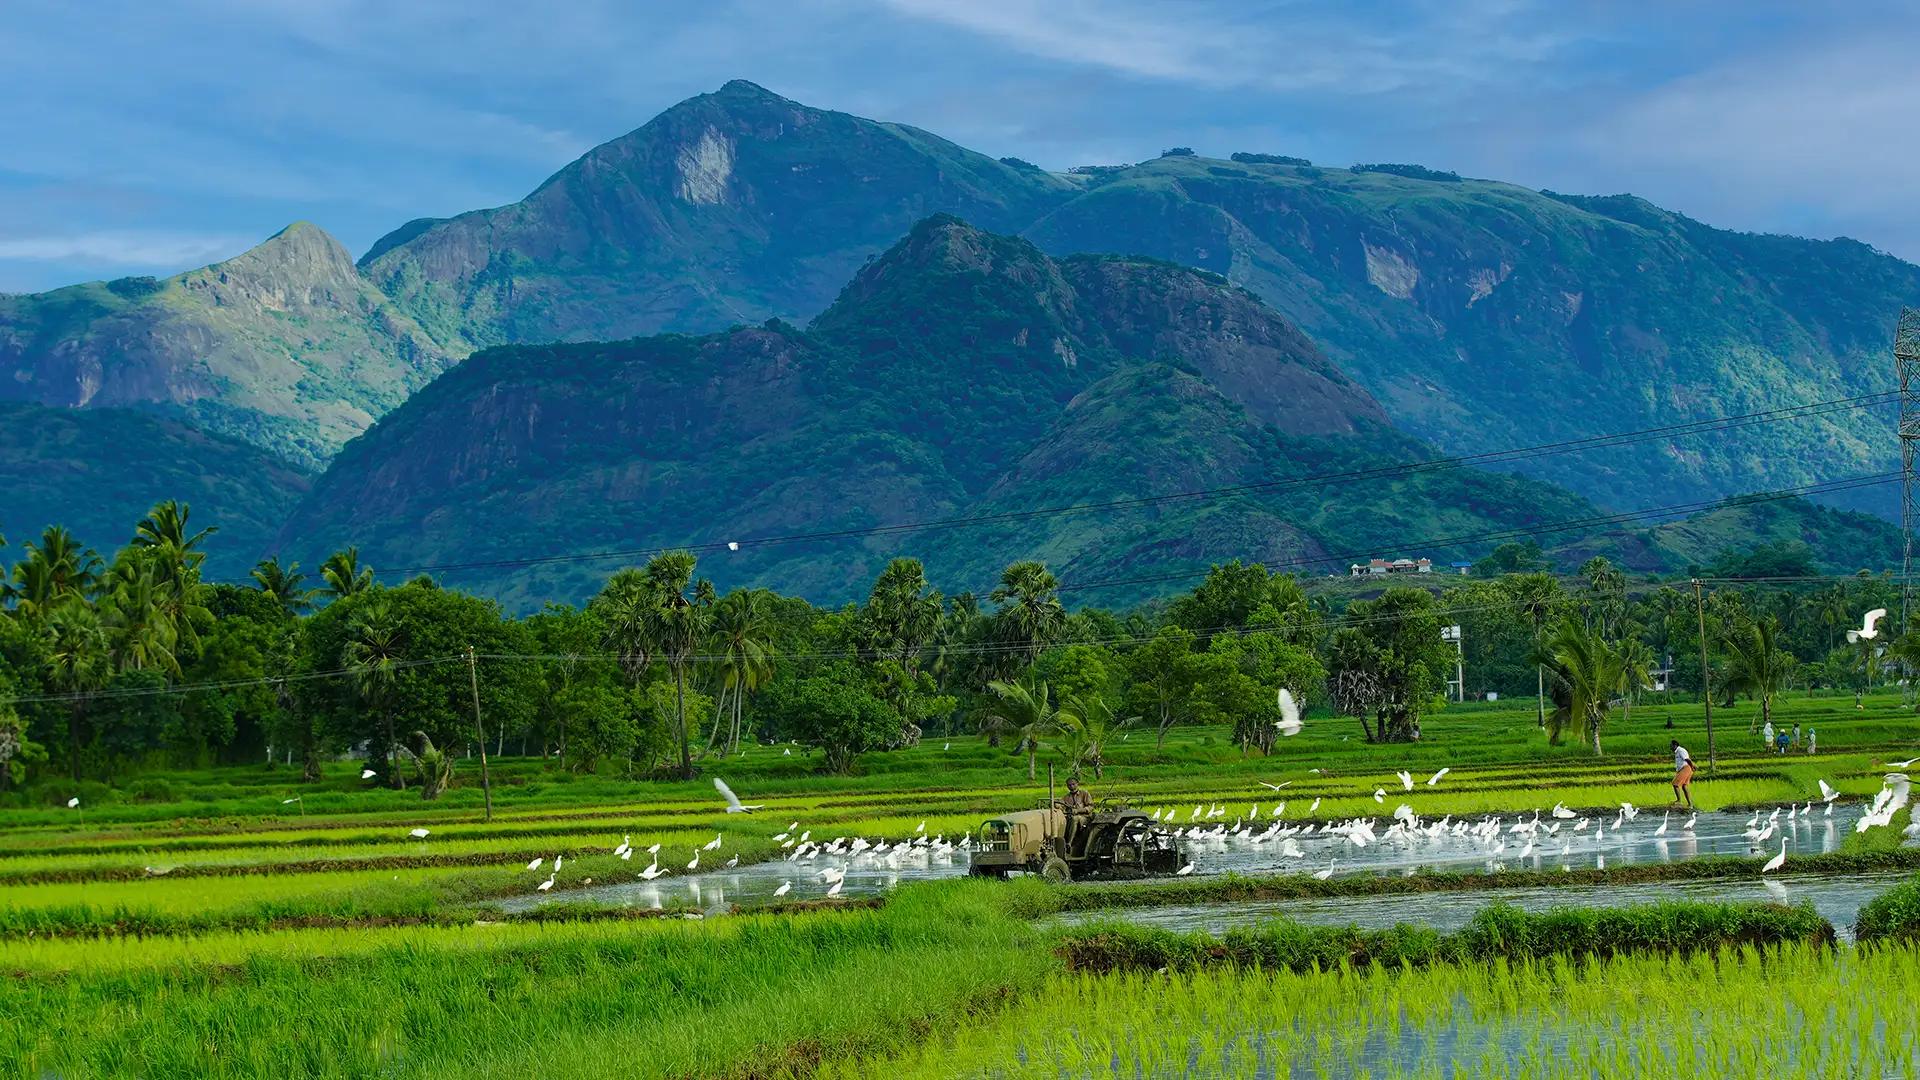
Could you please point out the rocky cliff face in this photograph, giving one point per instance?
(284, 346)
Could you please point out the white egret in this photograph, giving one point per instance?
(1827, 793)
(782, 890)
(73, 803)
(1868, 631)
(366, 774)
(733, 801)
(1435, 778)
(1289, 723)
(1274, 787)
(694, 863)
(1184, 871)
(545, 885)
(652, 871)
(1406, 779)
(418, 834)
(835, 890)
(1777, 861)
(713, 844)
(535, 864)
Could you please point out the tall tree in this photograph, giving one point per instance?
(1025, 711)
(1757, 666)
(741, 639)
(1030, 615)
(77, 664)
(286, 584)
(374, 651)
(1537, 595)
(902, 613)
(344, 575)
(1593, 673)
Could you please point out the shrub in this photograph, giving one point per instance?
(1894, 915)
(1412, 172)
(1270, 159)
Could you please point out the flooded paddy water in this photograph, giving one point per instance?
(1488, 843)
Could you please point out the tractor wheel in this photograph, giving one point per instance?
(1056, 870)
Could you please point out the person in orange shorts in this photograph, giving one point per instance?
(1682, 773)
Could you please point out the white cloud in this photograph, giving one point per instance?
(1292, 48)
(123, 248)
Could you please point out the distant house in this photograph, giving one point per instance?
(1461, 567)
(1395, 566)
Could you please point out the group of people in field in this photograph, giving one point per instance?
(1782, 741)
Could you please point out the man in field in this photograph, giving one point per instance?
(1682, 773)
(1078, 800)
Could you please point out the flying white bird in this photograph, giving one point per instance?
(1827, 793)
(1379, 795)
(1406, 779)
(1275, 787)
(1289, 722)
(787, 752)
(366, 774)
(284, 802)
(1868, 631)
(1891, 765)
(418, 834)
(733, 545)
(1778, 860)
(1435, 778)
(73, 802)
(733, 801)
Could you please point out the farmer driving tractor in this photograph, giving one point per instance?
(1079, 800)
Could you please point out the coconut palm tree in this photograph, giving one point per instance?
(286, 584)
(1536, 596)
(740, 637)
(1030, 617)
(1593, 674)
(1085, 726)
(77, 663)
(56, 570)
(1023, 710)
(142, 632)
(344, 575)
(1757, 667)
(376, 645)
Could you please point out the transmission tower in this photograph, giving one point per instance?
(1906, 363)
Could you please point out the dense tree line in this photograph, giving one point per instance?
(111, 665)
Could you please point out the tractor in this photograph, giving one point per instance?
(1109, 841)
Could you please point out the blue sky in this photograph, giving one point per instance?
(149, 138)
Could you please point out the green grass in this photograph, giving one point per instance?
(389, 955)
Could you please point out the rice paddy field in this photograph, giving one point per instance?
(234, 923)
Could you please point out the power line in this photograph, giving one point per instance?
(1495, 457)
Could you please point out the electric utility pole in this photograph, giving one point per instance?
(1706, 690)
(473, 677)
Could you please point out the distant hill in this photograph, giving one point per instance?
(285, 346)
(98, 471)
(1480, 314)
(962, 373)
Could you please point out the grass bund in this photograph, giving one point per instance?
(184, 924)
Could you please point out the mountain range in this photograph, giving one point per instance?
(1407, 312)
